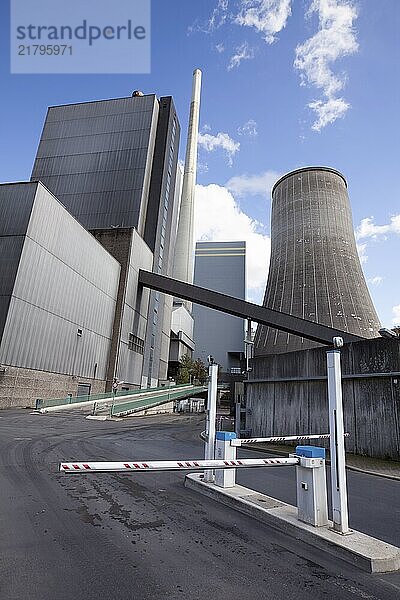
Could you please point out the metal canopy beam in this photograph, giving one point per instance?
(245, 310)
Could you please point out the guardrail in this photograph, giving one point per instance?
(126, 408)
(66, 400)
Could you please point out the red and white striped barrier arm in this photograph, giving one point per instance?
(285, 438)
(173, 465)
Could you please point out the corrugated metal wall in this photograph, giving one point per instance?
(135, 309)
(16, 202)
(287, 394)
(158, 235)
(219, 266)
(96, 158)
(66, 281)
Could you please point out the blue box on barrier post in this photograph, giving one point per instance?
(310, 451)
(226, 435)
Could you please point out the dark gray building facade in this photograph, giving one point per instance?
(220, 266)
(113, 164)
(315, 272)
(96, 157)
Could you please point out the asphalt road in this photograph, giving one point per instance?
(374, 502)
(144, 536)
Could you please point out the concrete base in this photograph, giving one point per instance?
(361, 550)
(21, 387)
(98, 417)
(168, 407)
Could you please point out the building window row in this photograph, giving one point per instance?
(235, 371)
(136, 344)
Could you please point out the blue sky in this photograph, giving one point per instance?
(285, 84)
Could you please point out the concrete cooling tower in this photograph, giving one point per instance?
(315, 272)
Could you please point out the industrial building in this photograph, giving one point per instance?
(113, 164)
(56, 306)
(220, 266)
(102, 203)
(315, 272)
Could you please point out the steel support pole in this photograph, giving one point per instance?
(238, 410)
(210, 419)
(340, 515)
(248, 345)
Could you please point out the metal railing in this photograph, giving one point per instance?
(168, 395)
(66, 400)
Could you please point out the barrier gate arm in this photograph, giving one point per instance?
(284, 438)
(172, 465)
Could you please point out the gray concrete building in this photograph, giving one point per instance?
(58, 293)
(110, 171)
(315, 272)
(113, 164)
(127, 351)
(97, 157)
(181, 341)
(220, 266)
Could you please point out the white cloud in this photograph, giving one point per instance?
(249, 128)
(328, 111)
(335, 39)
(220, 48)
(362, 253)
(218, 18)
(202, 167)
(375, 280)
(222, 140)
(243, 52)
(396, 315)
(219, 15)
(252, 185)
(219, 218)
(268, 17)
(368, 229)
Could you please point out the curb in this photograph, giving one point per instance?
(348, 466)
(361, 550)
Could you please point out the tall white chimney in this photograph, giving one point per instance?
(184, 251)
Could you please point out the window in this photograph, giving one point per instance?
(235, 371)
(136, 344)
(83, 389)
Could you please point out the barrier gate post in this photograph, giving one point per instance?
(209, 448)
(312, 503)
(340, 515)
(223, 450)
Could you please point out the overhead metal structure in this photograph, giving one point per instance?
(246, 310)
